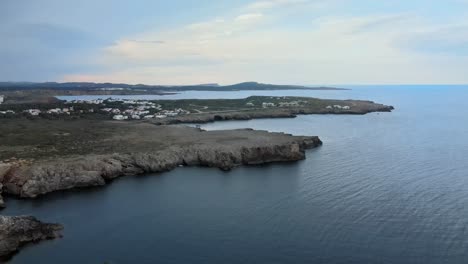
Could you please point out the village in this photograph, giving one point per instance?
(117, 109)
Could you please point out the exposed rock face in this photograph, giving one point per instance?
(2, 203)
(19, 230)
(32, 180)
(4, 169)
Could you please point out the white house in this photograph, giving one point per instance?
(54, 111)
(33, 112)
(118, 117)
(2, 99)
(346, 107)
(289, 104)
(170, 113)
(265, 105)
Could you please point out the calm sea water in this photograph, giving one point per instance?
(384, 188)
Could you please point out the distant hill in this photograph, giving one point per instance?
(263, 86)
(89, 86)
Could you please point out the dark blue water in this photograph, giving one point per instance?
(384, 188)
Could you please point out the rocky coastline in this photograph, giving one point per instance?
(32, 180)
(44, 156)
(16, 231)
(359, 108)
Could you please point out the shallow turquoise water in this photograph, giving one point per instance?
(384, 188)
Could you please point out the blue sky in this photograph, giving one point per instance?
(273, 41)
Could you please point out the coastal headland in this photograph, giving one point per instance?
(64, 156)
(87, 146)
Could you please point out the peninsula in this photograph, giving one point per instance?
(68, 145)
(188, 110)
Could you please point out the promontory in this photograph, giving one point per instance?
(80, 144)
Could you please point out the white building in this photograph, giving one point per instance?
(346, 107)
(265, 105)
(170, 113)
(2, 99)
(54, 111)
(118, 117)
(289, 104)
(33, 112)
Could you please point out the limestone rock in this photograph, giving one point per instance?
(95, 170)
(19, 230)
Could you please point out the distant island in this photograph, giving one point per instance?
(90, 86)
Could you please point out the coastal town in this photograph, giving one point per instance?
(116, 109)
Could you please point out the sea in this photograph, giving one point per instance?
(383, 188)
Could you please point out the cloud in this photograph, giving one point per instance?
(275, 3)
(150, 41)
(255, 43)
(199, 43)
(44, 51)
(249, 17)
(451, 40)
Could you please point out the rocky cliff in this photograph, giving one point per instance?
(248, 147)
(151, 149)
(19, 230)
(4, 169)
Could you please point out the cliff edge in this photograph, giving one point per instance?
(136, 149)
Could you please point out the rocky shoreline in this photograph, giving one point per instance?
(44, 156)
(35, 179)
(16, 231)
(32, 179)
(358, 108)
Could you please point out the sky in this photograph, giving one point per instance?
(304, 42)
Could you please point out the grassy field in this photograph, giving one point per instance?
(249, 103)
